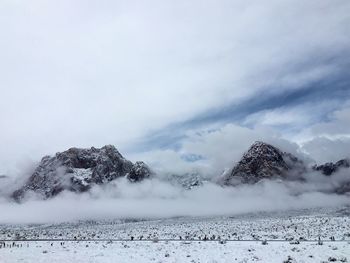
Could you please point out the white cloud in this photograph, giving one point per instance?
(154, 199)
(329, 140)
(338, 125)
(88, 73)
(222, 146)
(299, 116)
(324, 150)
(220, 149)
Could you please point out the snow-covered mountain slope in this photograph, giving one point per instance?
(263, 161)
(78, 169)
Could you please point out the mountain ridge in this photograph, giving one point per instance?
(77, 170)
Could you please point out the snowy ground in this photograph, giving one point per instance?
(292, 235)
(174, 251)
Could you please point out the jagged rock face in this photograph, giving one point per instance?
(138, 172)
(330, 168)
(262, 161)
(78, 169)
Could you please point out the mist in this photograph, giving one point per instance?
(153, 199)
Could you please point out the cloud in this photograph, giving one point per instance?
(156, 199)
(320, 137)
(338, 124)
(219, 149)
(297, 116)
(325, 150)
(82, 73)
(329, 140)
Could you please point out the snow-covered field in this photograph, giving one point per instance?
(174, 251)
(291, 237)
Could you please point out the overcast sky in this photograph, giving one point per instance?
(174, 82)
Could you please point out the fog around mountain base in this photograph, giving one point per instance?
(154, 198)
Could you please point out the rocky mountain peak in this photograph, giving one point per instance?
(79, 169)
(262, 160)
(261, 149)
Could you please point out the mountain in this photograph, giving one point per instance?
(263, 161)
(77, 170)
(330, 168)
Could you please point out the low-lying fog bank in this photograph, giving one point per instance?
(158, 199)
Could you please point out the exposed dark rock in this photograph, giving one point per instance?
(78, 169)
(139, 171)
(330, 168)
(262, 161)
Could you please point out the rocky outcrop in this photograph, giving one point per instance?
(331, 168)
(263, 161)
(78, 170)
(138, 172)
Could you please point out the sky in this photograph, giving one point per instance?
(180, 84)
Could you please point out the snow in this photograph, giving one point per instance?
(173, 251)
(291, 237)
(82, 176)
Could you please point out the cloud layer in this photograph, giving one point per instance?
(92, 73)
(157, 199)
